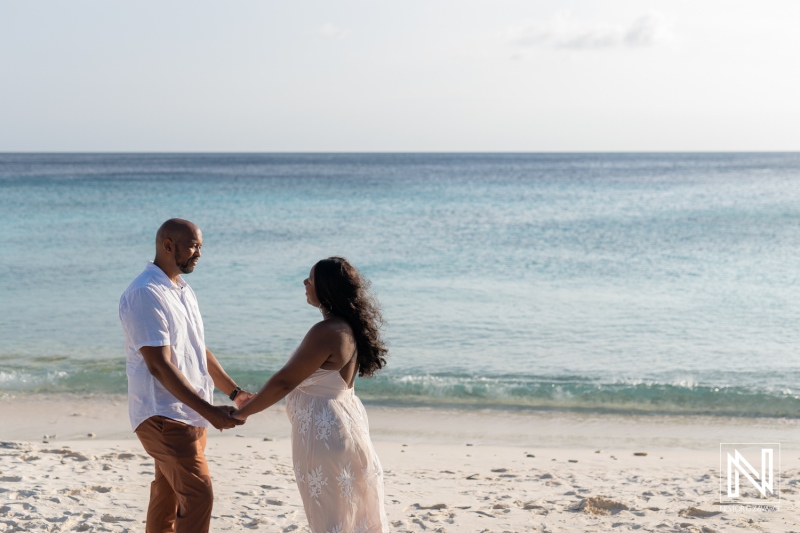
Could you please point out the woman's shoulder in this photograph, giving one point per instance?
(330, 328)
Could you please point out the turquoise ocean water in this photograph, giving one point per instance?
(646, 283)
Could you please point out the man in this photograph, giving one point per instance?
(171, 379)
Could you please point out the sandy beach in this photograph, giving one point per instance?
(71, 463)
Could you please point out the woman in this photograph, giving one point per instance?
(336, 468)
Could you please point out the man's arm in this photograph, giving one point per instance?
(223, 381)
(158, 363)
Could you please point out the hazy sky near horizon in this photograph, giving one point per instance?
(417, 75)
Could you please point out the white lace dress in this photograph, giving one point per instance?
(337, 470)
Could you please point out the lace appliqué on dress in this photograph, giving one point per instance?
(304, 417)
(345, 479)
(372, 474)
(325, 424)
(315, 483)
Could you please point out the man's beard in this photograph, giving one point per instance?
(186, 267)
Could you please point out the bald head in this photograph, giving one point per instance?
(175, 228)
(178, 244)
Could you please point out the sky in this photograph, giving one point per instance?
(392, 76)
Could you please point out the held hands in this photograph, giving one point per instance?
(220, 417)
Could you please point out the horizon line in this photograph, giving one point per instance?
(398, 152)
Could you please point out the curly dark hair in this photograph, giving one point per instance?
(343, 290)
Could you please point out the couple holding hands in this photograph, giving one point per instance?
(172, 376)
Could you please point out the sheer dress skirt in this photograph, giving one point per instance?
(336, 468)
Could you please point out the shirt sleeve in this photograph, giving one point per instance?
(144, 319)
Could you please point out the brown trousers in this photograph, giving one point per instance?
(181, 495)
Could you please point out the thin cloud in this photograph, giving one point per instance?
(563, 33)
(648, 30)
(329, 31)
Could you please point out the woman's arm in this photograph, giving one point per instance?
(317, 346)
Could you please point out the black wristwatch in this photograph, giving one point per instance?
(236, 391)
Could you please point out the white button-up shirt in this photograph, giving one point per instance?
(157, 312)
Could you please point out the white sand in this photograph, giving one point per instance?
(444, 471)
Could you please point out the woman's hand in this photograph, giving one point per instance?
(238, 416)
(242, 398)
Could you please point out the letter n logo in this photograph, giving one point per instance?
(739, 476)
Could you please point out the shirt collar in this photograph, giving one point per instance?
(162, 278)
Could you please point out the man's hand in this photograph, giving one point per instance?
(242, 397)
(220, 417)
